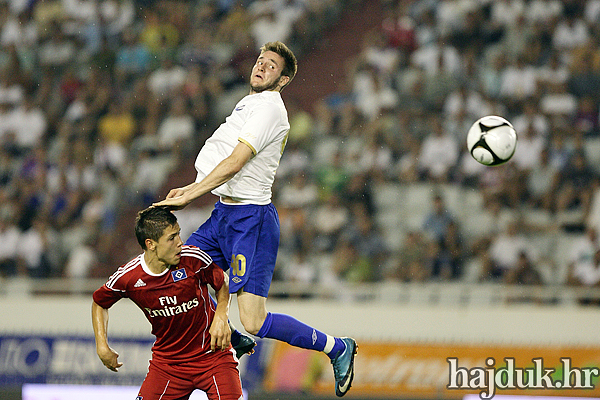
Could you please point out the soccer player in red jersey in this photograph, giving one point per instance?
(169, 283)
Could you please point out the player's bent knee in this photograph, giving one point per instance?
(252, 325)
(252, 322)
(252, 312)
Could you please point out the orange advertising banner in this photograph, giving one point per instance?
(409, 370)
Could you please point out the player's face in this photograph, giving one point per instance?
(266, 73)
(168, 247)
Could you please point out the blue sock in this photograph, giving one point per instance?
(290, 330)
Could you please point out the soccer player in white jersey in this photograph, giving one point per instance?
(238, 164)
(168, 282)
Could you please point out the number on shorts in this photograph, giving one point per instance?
(238, 265)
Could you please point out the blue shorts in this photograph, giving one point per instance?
(245, 239)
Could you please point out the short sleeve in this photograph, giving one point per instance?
(106, 297)
(212, 275)
(261, 126)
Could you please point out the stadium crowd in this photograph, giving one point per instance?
(101, 102)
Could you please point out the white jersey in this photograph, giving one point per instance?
(259, 120)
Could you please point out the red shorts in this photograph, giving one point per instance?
(216, 374)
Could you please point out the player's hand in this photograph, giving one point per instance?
(177, 192)
(109, 358)
(175, 203)
(220, 333)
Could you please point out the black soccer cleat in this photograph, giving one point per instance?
(245, 346)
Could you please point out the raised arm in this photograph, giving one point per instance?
(223, 172)
(220, 332)
(108, 356)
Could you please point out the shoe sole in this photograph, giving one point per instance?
(245, 350)
(339, 393)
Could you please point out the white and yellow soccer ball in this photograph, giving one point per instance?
(492, 140)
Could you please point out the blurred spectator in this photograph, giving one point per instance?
(36, 247)
(559, 150)
(554, 71)
(464, 101)
(332, 177)
(570, 32)
(359, 193)
(539, 182)
(504, 252)
(158, 34)
(543, 11)
(9, 244)
(593, 218)
(557, 101)
(366, 237)
(350, 265)
(439, 153)
(414, 261)
(81, 260)
(524, 272)
(301, 193)
(492, 75)
(372, 92)
(450, 253)
(585, 72)
(301, 268)
(529, 148)
(116, 128)
(11, 90)
(573, 185)
(378, 54)
(587, 274)
(132, 58)
(584, 261)
(586, 117)
(330, 109)
(584, 247)
(176, 130)
(531, 118)
(329, 220)
(57, 51)
(29, 125)
(149, 173)
(167, 80)
(506, 12)
(437, 220)
(268, 27)
(518, 81)
(296, 159)
(443, 230)
(19, 29)
(437, 56)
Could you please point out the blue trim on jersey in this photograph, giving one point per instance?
(244, 239)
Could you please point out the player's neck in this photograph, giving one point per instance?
(276, 89)
(154, 264)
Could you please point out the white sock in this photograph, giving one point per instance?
(329, 345)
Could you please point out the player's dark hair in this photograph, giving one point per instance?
(152, 222)
(291, 64)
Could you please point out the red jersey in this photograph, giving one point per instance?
(176, 302)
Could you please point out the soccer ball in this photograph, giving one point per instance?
(492, 140)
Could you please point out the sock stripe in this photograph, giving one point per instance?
(329, 345)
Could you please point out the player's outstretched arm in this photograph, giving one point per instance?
(107, 355)
(220, 332)
(223, 172)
